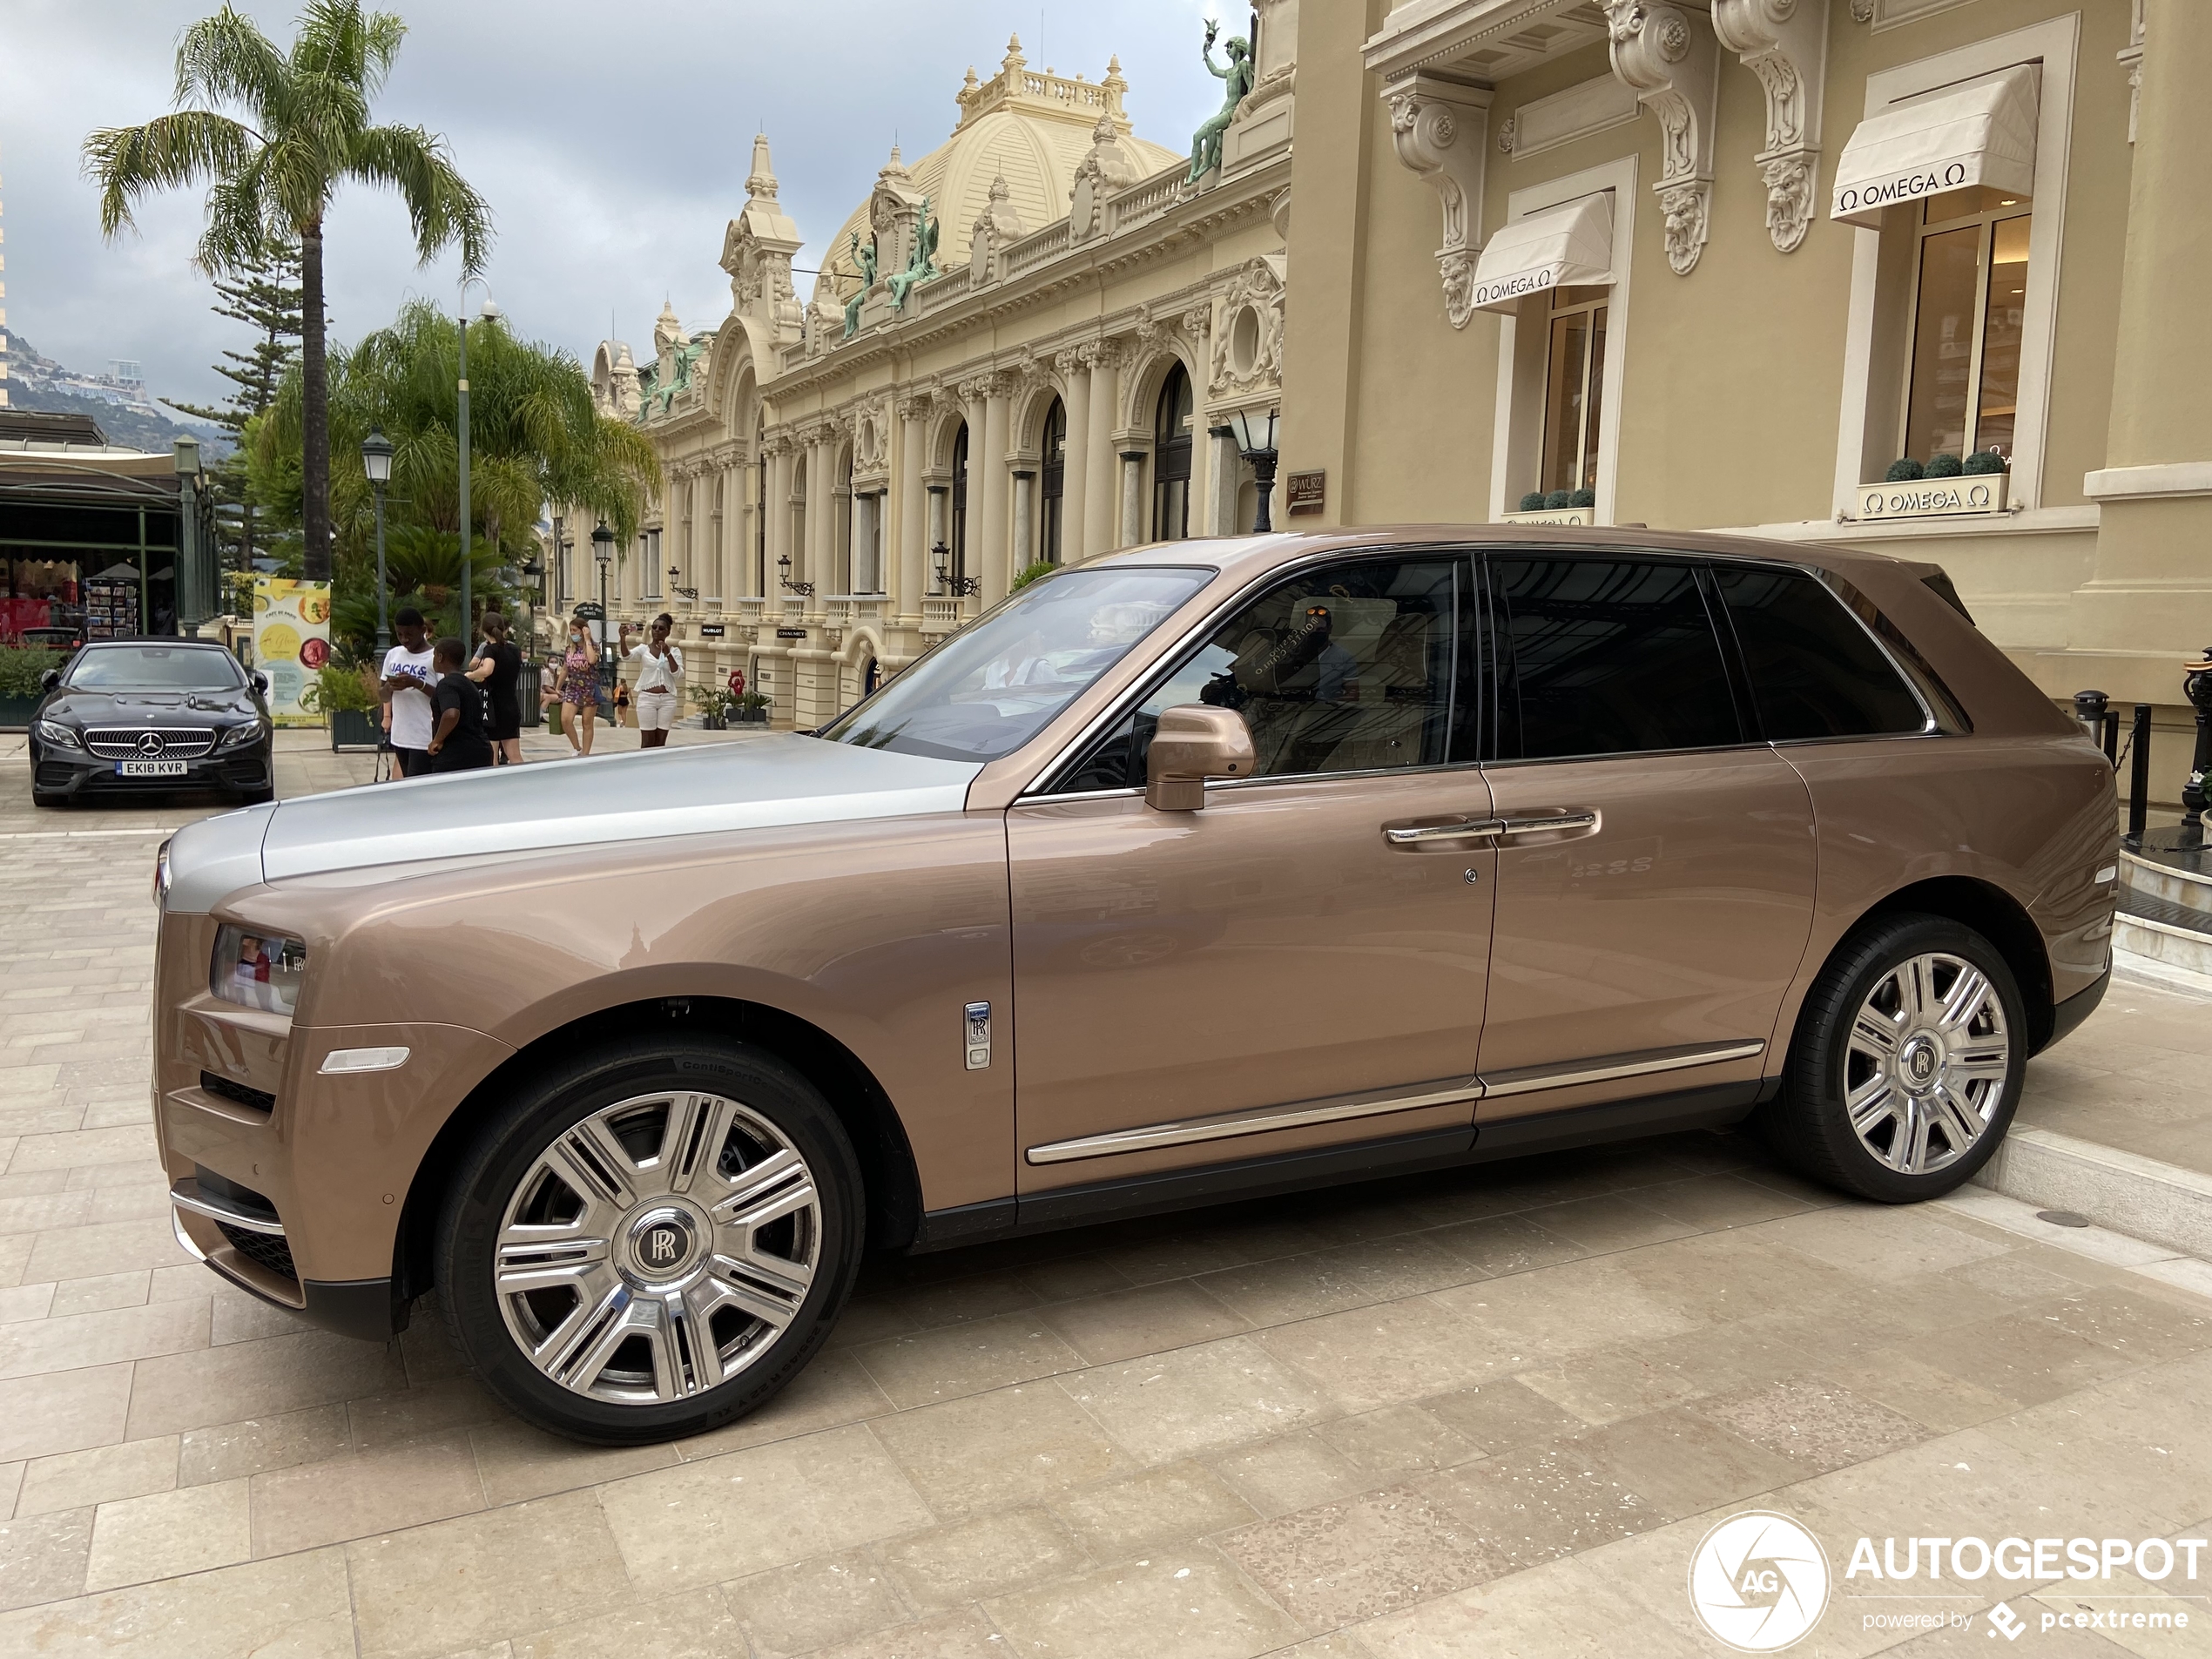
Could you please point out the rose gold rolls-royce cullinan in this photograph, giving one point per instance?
(1197, 872)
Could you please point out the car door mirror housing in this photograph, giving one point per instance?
(1192, 744)
(50, 678)
(260, 681)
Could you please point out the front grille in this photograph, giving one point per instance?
(150, 743)
(263, 1250)
(258, 1099)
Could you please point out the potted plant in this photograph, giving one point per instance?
(22, 673)
(1944, 486)
(1556, 507)
(716, 705)
(346, 699)
(752, 709)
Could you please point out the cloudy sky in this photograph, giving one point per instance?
(612, 137)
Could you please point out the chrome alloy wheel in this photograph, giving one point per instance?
(657, 1248)
(1926, 1066)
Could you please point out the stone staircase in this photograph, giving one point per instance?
(2165, 899)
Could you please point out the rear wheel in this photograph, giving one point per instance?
(1907, 1063)
(652, 1242)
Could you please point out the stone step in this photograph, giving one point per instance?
(2165, 901)
(2164, 1203)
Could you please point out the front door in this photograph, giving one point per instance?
(1276, 972)
(1655, 869)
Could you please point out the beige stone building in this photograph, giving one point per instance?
(1682, 263)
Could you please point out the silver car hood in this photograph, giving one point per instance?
(756, 783)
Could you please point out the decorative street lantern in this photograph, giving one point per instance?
(602, 553)
(2197, 687)
(1253, 434)
(376, 461)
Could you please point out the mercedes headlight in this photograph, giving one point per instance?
(238, 738)
(257, 970)
(59, 736)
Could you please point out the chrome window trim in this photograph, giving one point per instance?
(1843, 593)
(1040, 785)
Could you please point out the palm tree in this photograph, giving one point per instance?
(302, 129)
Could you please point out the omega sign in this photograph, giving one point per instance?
(1511, 287)
(1910, 186)
(1968, 494)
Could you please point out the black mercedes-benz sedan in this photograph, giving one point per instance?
(138, 714)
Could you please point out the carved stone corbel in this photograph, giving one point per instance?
(1784, 43)
(1668, 56)
(1437, 125)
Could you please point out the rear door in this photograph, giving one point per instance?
(1279, 971)
(1655, 884)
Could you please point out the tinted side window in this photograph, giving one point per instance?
(1349, 668)
(1814, 671)
(1609, 656)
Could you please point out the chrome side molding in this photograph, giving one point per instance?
(1521, 1081)
(1525, 1080)
(1229, 1125)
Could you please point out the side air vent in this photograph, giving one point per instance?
(237, 1093)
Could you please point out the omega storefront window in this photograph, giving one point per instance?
(1573, 385)
(1969, 304)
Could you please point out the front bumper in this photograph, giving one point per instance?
(243, 770)
(370, 1309)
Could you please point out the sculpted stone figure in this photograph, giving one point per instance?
(1205, 144)
(921, 265)
(865, 258)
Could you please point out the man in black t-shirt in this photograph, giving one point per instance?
(458, 741)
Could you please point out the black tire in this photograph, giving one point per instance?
(502, 1168)
(1809, 1122)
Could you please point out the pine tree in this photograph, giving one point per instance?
(267, 298)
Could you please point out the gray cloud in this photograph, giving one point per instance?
(612, 140)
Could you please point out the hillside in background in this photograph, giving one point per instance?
(124, 413)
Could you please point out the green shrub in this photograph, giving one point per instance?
(1944, 467)
(1903, 472)
(1533, 502)
(1031, 572)
(1984, 461)
(1583, 498)
(337, 689)
(22, 668)
(752, 700)
(1558, 499)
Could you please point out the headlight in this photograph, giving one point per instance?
(60, 736)
(257, 970)
(238, 737)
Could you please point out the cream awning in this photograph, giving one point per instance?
(1557, 248)
(1981, 133)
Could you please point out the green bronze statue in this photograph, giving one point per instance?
(865, 258)
(922, 264)
(1205, 144)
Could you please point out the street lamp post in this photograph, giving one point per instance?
(376, 461)
(490, 313)
(603, 552)
(1254, 436)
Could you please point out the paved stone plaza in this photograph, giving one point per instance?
(1492, 1412)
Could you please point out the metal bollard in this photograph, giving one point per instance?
(2139, 776)
(2112, 738)
(2089, 713)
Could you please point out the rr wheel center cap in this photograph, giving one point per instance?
(661, 1243)
(1920, 1062)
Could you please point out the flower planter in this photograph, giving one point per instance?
(752, 717)
(15, 712)
(352, 729)
(1966, 494)
(1552, 516)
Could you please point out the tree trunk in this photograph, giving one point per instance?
(314, 450)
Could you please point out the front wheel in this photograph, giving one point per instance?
(1907, 1064)
(653, 1241)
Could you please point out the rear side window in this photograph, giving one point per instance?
(1814, 672)
(1609, 657)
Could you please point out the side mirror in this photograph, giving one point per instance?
(1193, 743)
(49, 679)
(261, 681)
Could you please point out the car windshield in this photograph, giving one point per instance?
(988, 689)
(154, 667)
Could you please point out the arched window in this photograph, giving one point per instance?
(960, 502)
(1054, 483)
(1171, 459)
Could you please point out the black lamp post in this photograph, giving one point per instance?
(691, 594)
(376, 461)
(2196, 793)
(1254, 436)
(959, 586)
(491, 315)
(803, 589)
(603, 554)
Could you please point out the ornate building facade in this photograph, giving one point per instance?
(1023, 347)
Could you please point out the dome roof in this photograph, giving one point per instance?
(1032, 129)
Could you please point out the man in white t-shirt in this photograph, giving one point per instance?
(660, 675)
(409, 674)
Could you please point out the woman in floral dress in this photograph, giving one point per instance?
(579, 686)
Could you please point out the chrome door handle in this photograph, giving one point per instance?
(1552, 821)
(1465, 829)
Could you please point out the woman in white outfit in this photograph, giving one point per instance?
(660, 675)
